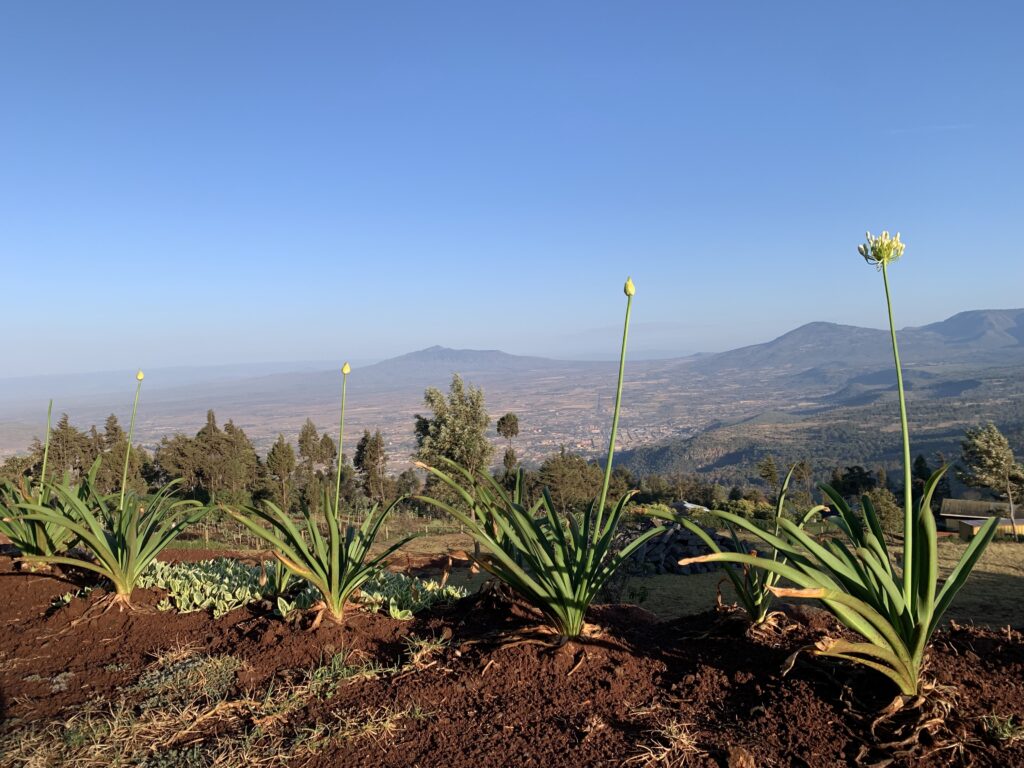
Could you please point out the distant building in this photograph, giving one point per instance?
(962, 509)
(686, 506)
(967, 516)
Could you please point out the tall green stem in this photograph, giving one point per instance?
(46, 451)
(615, 420)
(908, 509)
(128, 448)
(341, 436)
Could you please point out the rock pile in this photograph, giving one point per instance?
(663, 553)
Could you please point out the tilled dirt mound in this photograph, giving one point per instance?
(475, 684)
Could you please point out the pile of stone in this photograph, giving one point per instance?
(663, 553)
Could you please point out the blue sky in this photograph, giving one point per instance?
(190, 183)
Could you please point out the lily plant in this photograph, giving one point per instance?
(337, 562)
(753, 586)
(32, 537)
(556, 564)
(121, 534)
(894, 604)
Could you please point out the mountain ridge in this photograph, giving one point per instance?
(817, 368)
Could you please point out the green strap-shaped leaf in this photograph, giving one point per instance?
(958, 577)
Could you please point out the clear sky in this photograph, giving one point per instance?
(196, 182)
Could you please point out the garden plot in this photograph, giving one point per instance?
(457, 686)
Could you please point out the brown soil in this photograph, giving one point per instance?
(696, 691)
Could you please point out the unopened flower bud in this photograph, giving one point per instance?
(140, 376)
(629, 289)
(346, 369)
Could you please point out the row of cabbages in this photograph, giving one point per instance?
(556, 563)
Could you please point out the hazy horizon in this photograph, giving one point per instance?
(637, 351)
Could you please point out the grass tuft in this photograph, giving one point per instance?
(1005, 729)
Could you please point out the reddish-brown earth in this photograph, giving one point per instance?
(490, 699)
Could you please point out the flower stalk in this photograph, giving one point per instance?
(908, 506)
(630, 290)
(131, 433)
(46, 451)
(346, 369)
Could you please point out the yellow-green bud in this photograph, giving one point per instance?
(629, 289)
(346, 369)
(139, 376)
(881, 250)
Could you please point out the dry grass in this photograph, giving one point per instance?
(180, 714)
(994, 595)
(420, 650)
(670, 744)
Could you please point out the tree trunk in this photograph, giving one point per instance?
(1013, 518)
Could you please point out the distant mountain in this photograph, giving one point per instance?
(987, 336)
(815, 345)
(826, 393)
(982, 329)
(823, 386)
(435, 366)
(408, 373)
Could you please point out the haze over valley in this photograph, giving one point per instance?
(716, 413)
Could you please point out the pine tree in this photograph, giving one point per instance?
(178, 457)
(508, 427)
(407, 483)
(571, 480)
(309, 444)
(769, 472)
(71, 451)
(509, 461)
(457, 428)
(801, 487)
(988, 462)
(326, 452)
(280, 467)
(371, 461)
(240, 465)
(111, 446)
(211, 454)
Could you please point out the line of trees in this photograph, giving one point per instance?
(220, 464)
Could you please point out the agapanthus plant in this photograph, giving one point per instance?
(557, 564)
(121, 534)
(753, 586)
(894, 604)
(337, 563)
(32, 537)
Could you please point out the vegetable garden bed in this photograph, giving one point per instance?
(472, 683)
